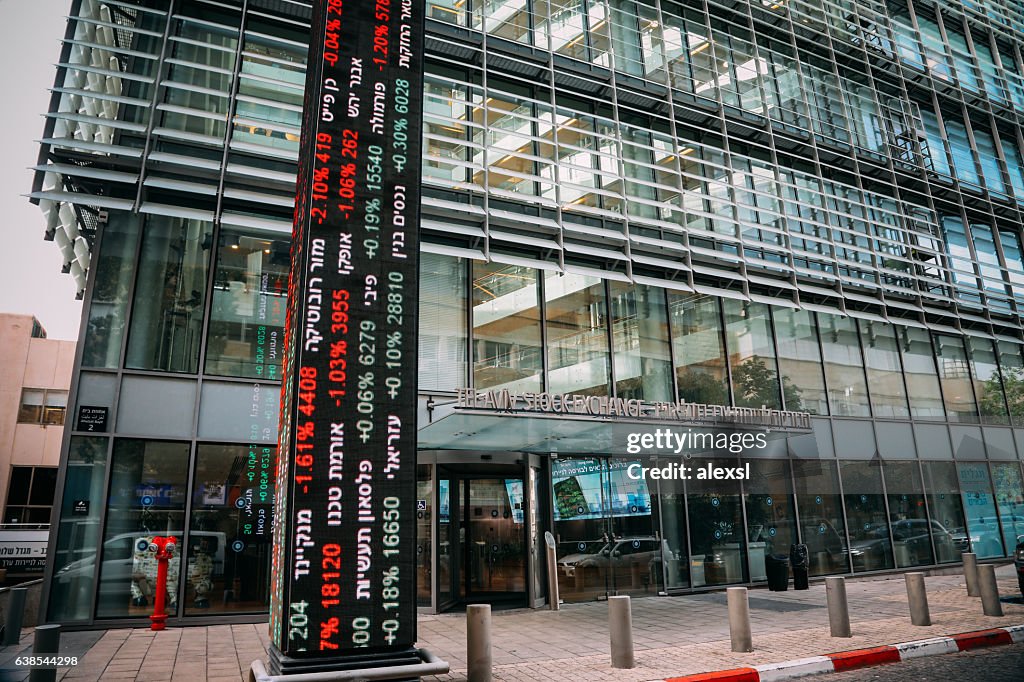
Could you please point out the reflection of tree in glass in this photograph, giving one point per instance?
(756, 385)
(701, 387)
(1010, 379)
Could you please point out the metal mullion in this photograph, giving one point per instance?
(885, 505)
(927, 506)
(842, 507)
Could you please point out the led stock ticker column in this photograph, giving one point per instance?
(343, 574)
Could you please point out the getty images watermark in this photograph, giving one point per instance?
(669, 441)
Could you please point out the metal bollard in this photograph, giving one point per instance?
(838, 610)
(620, 631)
(971, 573)
(15, 616)
(989, 590)
(549, 544)
(47, 643)
(917, 596)
(478, 642)
(739, 619)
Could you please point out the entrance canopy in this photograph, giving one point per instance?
(471, 429)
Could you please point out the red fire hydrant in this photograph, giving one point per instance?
(164, 548)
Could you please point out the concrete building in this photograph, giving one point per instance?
(797, 206)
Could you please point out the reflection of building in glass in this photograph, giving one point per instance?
(788, 205)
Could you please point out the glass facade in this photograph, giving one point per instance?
(633, 215)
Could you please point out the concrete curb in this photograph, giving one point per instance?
(862, 658)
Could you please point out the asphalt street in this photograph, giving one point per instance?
(997, 664)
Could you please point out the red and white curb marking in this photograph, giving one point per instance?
(862, 658)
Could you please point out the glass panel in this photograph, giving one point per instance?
(506, 327)
(55, 407)
(167, 317)
(921, 376)
(821, 515)
(148, 488)
(78, 533)
(636, 551)
(716, 529)
(115, 271)
(445, 537)
(442, 323)
(989, 160)
(963, 157)
(643, 364)
(580, 528)
(495, 535)
(771, 523)
(955, 377)
(1011, 371)
(577, 334)
(885, 375)
(697, 344)
(748, 338)
(984, 538)
(230, 530)
(987, 381)
(250, 289)
(912, 533)
(672, 506)
(946, 509)
(844, 367)
(803, 380)
(1009, 500)
(44, 483)
(870, 547)
(19, 485)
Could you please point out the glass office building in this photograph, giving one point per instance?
(793, 204)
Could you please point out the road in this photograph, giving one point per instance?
(996, 664)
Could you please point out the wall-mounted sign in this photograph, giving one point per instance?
(343, 577)
(92, 418)
(80, 508)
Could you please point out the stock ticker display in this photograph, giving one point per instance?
(343, 572)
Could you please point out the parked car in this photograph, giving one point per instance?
(982, 536)
(619, 554)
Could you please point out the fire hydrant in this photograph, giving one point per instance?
(164, 549)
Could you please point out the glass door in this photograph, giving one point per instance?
(482, 540)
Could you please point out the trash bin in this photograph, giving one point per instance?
(799, 557)
(777, 568)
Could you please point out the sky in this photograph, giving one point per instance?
(30, 278)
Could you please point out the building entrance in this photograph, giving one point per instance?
(483, 549)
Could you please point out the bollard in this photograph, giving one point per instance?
(971, 573)
(917, 596)
(47, 643)
(739, 619)
(838, 610)
(989, 590)
(15, 616)
(549, 543)
(478, 642)
(620, 630)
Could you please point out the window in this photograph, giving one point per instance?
(42, 406)
(30, 494)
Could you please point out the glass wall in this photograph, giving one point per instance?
(912, 534)
(821, 515)
(167, 317)
(148, 489)
(771, 521)
(1009, 490)
(751, 349)
(796, 335)
(442, 323)
(230, 530)
(884, 370)
(250, 288)
(921, 376)
(507, 349)
(870, 544)
(844, 366)
(577, 334)
(955, 378)
(78, 531)
(111, 292)
(946, 509)
(640, 342)
(716, 529)
(697, 347)
(983, 534)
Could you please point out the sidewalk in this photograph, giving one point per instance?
(673, 636)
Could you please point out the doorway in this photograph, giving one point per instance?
(482, 537)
